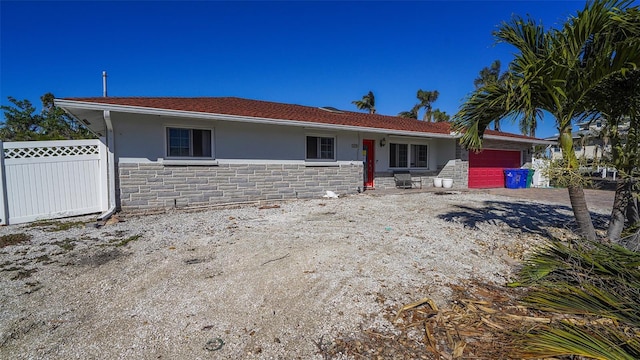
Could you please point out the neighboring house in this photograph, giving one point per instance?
(589, 142)
(167, 152)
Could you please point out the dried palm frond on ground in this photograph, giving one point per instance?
(478, 324)
(581, 300)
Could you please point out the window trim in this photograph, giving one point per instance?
(319, 136)
(190, 128)
(398, 160)
(411, 155)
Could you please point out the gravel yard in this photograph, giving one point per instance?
(256, 282)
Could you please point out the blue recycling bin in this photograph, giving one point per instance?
(511, 178)
(515, 178)
(522, 181)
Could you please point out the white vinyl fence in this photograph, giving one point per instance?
(51, 179)
(540, 176)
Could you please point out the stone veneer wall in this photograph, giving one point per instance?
(458, 170)
(156, 186)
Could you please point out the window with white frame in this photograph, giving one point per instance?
(184, 142)
(321, 148)
(408, 156)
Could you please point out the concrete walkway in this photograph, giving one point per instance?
(596, 199)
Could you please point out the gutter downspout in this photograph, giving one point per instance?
(111, 167)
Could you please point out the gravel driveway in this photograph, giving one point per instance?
(253, 282)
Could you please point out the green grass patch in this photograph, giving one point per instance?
(13, 239)
(117, 233)
(42, 258)
(24, 273)
(126, 241)
(66, 244)
(55, 225)
(12, 268)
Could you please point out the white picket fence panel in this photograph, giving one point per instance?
(52, 179)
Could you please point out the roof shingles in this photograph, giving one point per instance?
(279, 111)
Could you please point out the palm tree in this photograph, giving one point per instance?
(617, 101)
(411, 114)
(491, 75)
(426, 100)
(554, 70)
(368, 102)
(440, 116)
(488, 75)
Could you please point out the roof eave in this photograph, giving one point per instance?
(522, 140)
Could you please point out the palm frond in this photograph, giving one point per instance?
(569, 339)
(589, 279)
(482, 107)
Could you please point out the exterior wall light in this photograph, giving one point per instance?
(383, 142)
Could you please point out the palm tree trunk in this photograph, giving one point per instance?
(576, 191)
(427, 115)
(633, 215)
(620, 209)
(632, 241)
(581, 212)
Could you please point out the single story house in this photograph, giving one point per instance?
(166, 151)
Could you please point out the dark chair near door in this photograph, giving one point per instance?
(404, 180)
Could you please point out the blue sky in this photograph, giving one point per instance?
(309, 53)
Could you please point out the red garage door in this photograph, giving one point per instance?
(486, 168)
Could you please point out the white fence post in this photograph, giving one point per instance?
(104, 174)
(4, 209)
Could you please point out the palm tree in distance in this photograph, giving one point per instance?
(411, 114)
(440, 116)
(491, 75)
(426, 100)
(368, 103)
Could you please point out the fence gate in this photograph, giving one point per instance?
(51, 179)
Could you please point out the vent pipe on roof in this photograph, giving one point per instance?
(104, 84)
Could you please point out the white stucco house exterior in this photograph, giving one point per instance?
(174, 152)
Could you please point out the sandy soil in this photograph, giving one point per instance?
(255, 282)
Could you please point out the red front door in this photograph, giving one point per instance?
(368, 149)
